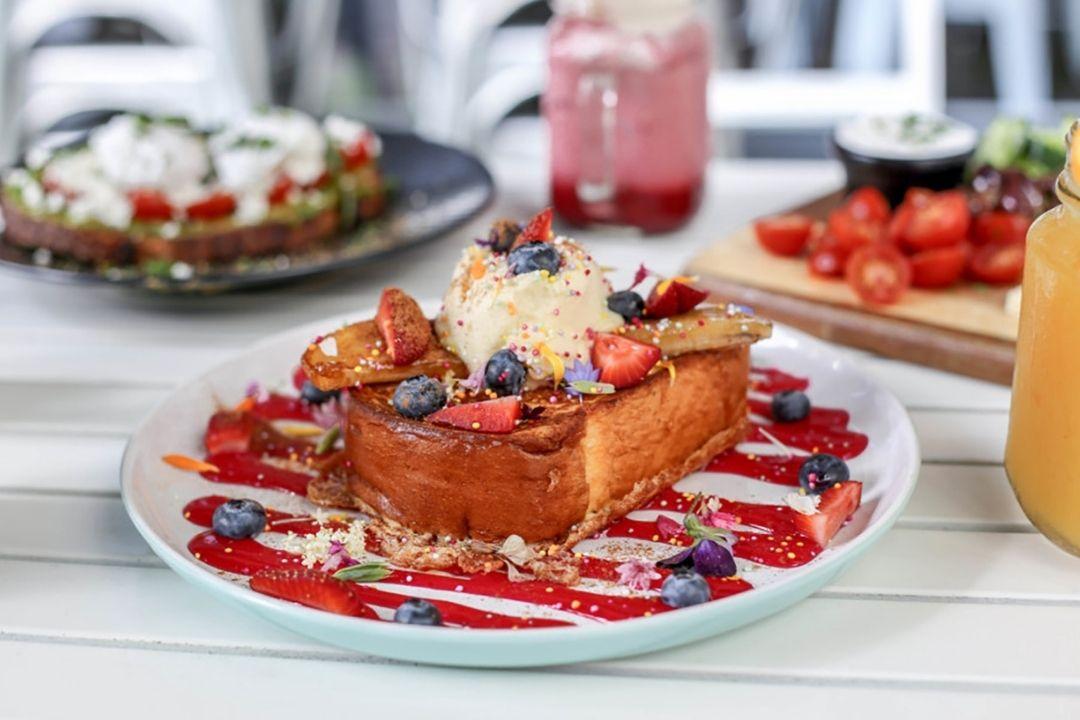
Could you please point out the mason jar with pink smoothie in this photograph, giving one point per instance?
(625, 103)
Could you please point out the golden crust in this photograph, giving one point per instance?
(557, 479)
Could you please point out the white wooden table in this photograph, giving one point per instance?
(961, 611)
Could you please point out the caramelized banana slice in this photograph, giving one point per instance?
(356, 354)
(705, 328)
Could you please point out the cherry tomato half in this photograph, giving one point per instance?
(784, 234)
(869, 203)
(999, 227)
(943, 220)
(998, 263)
(355, 155)
(827, 263)
(939, 267)
(851, 232)
(214, 205)
(879, 274)
(147, 204)
(279, 192)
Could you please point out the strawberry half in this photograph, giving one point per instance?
(673, 297)
(312, 588)
(229, 431)
(837, 505)
(489, 416)
(299, 377)
(622, 362)
(403, 326)
(538, 229)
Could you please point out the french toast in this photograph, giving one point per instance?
(529, 427)
(142, 189)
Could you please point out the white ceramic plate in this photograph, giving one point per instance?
(154, 495)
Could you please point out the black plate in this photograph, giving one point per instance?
(434, 188)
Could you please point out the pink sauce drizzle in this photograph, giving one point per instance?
(774, 541)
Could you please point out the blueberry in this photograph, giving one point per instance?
(532, 257)
(627, 303)
(504, 373)
(684, 588)
(314, 395)
(417, 612)
(419, 396)
(239, 519)
(790, 406)
(820, 472)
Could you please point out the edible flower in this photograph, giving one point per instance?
(475, 381)
(183, 462)
(331, 413)
(581, 372)
(720, 519)
(706, 557)
(668, 528)
(639, 276)
(637, 574)
(256, 391)
(558, 368)
(338, 558)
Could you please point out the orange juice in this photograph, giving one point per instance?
(1042, 457)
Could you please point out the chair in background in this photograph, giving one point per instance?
(214, 63)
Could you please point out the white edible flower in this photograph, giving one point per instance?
(802, 503)
(516, 551)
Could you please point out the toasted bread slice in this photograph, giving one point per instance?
(359, 357)
(559, 477)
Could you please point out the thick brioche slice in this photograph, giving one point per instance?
(558, 478)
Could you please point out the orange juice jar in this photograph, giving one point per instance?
(1042, 457)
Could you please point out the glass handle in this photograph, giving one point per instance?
(597, 101)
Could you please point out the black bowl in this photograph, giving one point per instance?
(894, 176)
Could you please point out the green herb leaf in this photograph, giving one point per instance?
(700, 531)
(364, 572)
(589, 387)
(327, 440)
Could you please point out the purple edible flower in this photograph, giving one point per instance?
(580, 370)
(475, 381)
(338, 558)
(706, 557)
(331, 413)
(256, 391)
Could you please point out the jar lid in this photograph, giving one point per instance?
(631, 15)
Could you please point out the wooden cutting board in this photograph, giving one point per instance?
(963, 329)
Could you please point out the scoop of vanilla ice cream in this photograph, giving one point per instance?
(487, 308)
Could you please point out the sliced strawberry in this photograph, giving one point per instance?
(489, 416)
(673, 297)
(623, 362)
(403, 326)
(148, 204)
(229, 431)
(312, 588)
(837, 505)
(299, 377)
(538, 229)
(689, 296)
